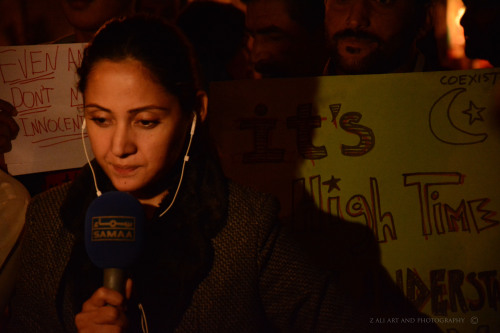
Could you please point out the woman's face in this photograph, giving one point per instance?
(136, 128)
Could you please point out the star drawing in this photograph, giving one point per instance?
(474, 113)
(333, 183)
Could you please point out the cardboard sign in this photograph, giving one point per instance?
(412, 156)
(40, 81)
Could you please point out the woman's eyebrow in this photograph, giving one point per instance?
(96, 106)
(133, 111)
(149, 108)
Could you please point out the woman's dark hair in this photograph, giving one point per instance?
(158, 45)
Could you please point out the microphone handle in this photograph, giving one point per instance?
(115, 279)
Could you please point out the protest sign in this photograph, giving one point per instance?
(412, 156)
(40, 82)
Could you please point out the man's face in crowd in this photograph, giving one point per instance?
(481, 23)
(278, 41)
(371, 36)
(89, 15)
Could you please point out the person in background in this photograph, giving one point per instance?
(8, 129)
(371, 37)
(86, 16)
(12, 30)
(14, 198)
(217, 32)
(481, 23)
(168, 9)
(287, 37)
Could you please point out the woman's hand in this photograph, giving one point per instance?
(104, 311)
(8, 126)
(8, 129)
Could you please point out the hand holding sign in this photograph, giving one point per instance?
(8, 129)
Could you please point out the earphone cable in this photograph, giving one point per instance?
(99, 193)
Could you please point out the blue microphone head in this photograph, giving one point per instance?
(114, 230)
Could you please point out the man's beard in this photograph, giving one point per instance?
(377, 61)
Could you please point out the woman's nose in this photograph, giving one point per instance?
(123, 143)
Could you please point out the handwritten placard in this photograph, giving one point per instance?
(40, 81)
(412, 156)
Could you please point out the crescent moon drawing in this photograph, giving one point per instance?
(442, 126)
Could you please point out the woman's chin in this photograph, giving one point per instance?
(126, 187)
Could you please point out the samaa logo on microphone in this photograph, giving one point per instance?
(113, 228)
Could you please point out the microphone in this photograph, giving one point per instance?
(114, 235)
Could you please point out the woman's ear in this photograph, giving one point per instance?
(202, 104)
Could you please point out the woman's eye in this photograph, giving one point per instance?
(147, 123)
(100, 121)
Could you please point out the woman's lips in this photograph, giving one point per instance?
(124, 170)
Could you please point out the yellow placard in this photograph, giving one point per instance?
(412, 156)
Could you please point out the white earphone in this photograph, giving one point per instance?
(97, 191)
(186, 158)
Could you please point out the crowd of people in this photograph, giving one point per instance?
(218, 261)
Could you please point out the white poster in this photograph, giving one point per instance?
(40, 82)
